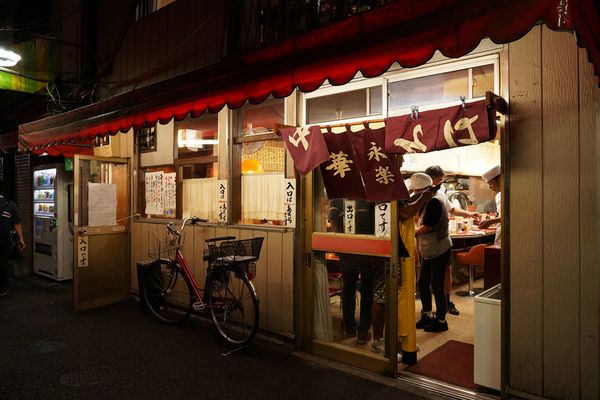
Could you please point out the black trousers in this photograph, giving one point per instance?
(431, 277)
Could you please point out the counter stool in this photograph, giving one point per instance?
(474, 256)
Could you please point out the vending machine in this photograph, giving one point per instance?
(52, 225)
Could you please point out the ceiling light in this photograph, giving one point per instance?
(8, 58)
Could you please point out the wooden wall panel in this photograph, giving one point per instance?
(287, 282)
(274, 279)
(526, 261)
(136, 252)
(589, 182)
(561, 214)
(554, 209)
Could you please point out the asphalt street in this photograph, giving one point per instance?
(117, 352)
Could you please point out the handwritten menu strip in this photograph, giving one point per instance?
(154, 193)
(169, 193)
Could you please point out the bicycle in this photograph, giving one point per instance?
(171, 292)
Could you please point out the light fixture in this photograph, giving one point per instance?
(8, 58)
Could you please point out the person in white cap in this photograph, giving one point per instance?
(435, 245)
(492, 178)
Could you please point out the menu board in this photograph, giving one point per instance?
(161, 188)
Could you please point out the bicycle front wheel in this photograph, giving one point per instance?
(166, 292)
(233, 305)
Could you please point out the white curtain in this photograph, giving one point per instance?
(323, 327)
(262, 196)
(200, 198)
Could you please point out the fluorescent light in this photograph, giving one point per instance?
(8, 58)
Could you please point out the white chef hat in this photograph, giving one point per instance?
(491, 173)
(419, 181)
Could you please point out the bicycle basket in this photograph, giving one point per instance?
(163, 245)
(240, 251)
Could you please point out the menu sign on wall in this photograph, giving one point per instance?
(161, 188)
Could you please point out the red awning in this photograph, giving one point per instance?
(405, 31)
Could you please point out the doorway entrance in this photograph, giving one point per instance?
(101, 233)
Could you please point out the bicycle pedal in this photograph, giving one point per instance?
(198, 306)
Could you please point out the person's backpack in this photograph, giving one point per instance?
(12, 239)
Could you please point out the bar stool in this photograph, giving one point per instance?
(474, 256)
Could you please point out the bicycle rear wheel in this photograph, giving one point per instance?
(233, 305)
(167, 292)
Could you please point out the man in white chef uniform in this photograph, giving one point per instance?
(492, 178)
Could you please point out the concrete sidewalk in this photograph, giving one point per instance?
(117, 352)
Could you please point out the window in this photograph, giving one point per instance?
(421, 89)
(262, 118)
(347, 105)
(262, 163)
(197, 161)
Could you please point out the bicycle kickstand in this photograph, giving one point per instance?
(234, 351)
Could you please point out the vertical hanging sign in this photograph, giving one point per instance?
(383, 219)
(222, 200)
(82, 252)
(349, 216)
(289, 206)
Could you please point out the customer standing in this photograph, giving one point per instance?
(437, 175)
(434, 244)
(9, 219)
(492, 178)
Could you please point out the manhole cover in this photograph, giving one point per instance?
(46, 346)
(87, 376)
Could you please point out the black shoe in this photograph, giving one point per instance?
(452, 309)
(424, 321)
(362, 338)
(436, 326)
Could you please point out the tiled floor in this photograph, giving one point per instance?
(461, 327)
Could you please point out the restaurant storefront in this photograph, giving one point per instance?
(226, 161)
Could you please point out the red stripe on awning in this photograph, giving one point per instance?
(407, 32)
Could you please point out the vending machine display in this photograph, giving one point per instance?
(53, 238)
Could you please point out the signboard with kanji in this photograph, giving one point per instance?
(222, 197)
(289, 203)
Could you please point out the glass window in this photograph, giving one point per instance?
(197, 137)
(427, 90)
(263, 117)
(341, 215)
(346, 105)
(483, 80)
(263, 166)
(197, 159)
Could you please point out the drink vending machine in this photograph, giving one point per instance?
(52, 224)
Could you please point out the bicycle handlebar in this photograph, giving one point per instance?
(194, 220)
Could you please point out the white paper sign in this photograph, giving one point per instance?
(154, 195)
(222, 196)
(349, 216)
(102, 204)
(82, 252)
(169, 193)
(289, 202)
(383, 218)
